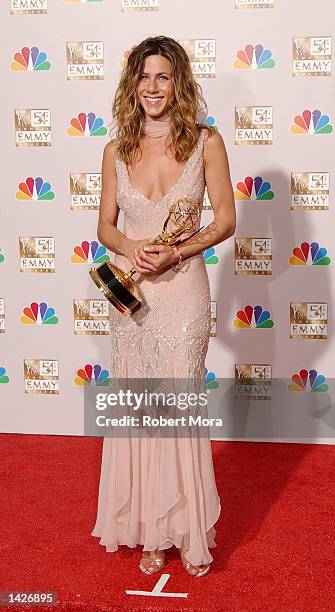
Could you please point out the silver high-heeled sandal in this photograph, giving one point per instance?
(201, 570)
(155, 565)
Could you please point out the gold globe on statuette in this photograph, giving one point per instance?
(118, 286)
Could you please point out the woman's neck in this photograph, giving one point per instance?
(155, 128)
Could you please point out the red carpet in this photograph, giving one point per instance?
(275, 535)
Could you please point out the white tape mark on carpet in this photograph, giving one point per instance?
(157, 590)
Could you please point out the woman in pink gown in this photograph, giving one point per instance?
(161, 491)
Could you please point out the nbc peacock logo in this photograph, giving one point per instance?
(308, 380)
(87, 125)
(126, 54)
(210, 256)
(311, 122)
(2, 256)
(253, 317)
(30, 59)
(253, 189)
(211, 381)
(4, 378)
(92, 375)
(89, 252)
(211, 122)
(309, 254)
(39, 313)
(254, 57)
(35, 189)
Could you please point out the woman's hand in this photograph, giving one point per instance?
(132, 246)
(155, 258)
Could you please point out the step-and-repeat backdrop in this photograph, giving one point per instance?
(265, 67)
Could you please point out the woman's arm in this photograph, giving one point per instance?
(108, 234)
(221, 195)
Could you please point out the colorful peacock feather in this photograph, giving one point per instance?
(211, 122)
(92, 375)
(311, 122)
(126, 54)
(39, 314)
(30, 59)
(253, 189)
(210, 257)
(87, 125)
(253, 58)
(210, 380)
(35, 189)
(253, 317)
(89, 252)
(308, 380)
(4, 378)
(309, 254)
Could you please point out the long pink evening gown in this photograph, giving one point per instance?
(160, 492)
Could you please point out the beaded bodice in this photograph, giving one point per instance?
(144, 217)
(169, 334)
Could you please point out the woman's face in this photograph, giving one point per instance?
(155, 86)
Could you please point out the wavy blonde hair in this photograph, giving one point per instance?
(187, 102)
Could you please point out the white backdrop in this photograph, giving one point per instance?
(261, 65)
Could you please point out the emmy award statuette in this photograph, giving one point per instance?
(117, 285)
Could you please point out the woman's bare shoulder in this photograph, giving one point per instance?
(214, 146)
(110, 147)
(109, 154)
(212, 136)
(109, 159)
